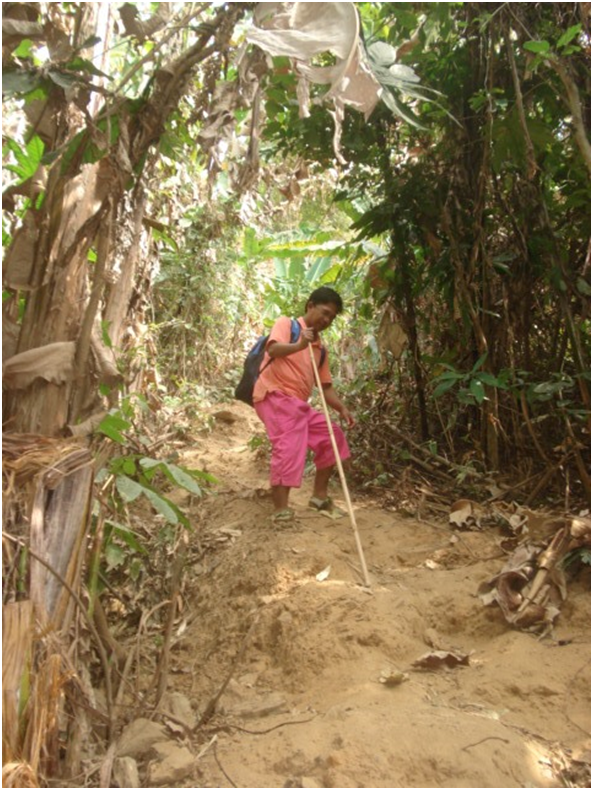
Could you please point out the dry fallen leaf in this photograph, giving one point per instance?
(431, 564)
(393, 677)
(334, 514)
(464, 514)
(441, 658)
(322, 575)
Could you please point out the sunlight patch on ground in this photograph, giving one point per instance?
(541, 765)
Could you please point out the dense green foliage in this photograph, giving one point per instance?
(460, 216)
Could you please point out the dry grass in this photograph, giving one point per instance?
(16, 774)
(45, 483)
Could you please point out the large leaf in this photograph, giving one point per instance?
(477, 390)
(480, 361)
(183, 479)
(128, 489)
(82, 64)
(128, 536)
(403, 73)
(163, 505)
(175, 473)
(305, 31)
(298, 246)
(166, 508)
(539, 47)
(112, 426)
(114, 556)
(381, 54)
(444, 386)
(64, 79)
(398, 108)
(491, 380)
(318, 269)
(568, 36)
(18, 82)
(28, 157)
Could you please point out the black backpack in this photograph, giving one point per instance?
(253, 360)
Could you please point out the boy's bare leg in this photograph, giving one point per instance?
(322, 478)
(280, 497)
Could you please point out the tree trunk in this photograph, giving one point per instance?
(76, 206)
(411, 329)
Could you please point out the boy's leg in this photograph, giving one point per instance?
(321, 482)
(325, 459)
(320, 441)
(285, 419)
(322, 478)
(280, 496)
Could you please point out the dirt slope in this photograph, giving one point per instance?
(305, 657)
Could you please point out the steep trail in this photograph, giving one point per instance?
(303, 658)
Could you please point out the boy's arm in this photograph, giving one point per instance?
(334, 402)
(276, 349)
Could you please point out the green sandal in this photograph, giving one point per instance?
(286, 516)
(326, 507)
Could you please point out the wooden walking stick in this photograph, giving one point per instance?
(365, 573)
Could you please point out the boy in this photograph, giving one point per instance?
(280, 398)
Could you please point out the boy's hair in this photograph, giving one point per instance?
(325, 295)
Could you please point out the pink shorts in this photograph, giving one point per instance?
(292, 427)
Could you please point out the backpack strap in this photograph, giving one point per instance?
(295, 330)
(295, 333)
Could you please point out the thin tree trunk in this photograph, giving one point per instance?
(412, 333)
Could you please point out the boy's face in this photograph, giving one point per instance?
(320, 316)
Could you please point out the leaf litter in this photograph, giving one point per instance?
(253, 629)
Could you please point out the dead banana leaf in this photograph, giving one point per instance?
(303, 31)
(20, 256)
(505, 588)
(54, 362)
(391, 337)
(531, 585)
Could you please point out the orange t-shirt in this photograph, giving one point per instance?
(292, 374)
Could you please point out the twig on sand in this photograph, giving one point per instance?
(487, 738)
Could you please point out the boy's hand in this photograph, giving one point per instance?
(348, 417)
(307, 336)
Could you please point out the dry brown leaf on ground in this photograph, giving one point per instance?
(580, 528)
(393, 677)
(324, 574)
(439, 659)
(467, 514)
(530, 524)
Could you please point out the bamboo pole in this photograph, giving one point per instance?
(365, 573)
